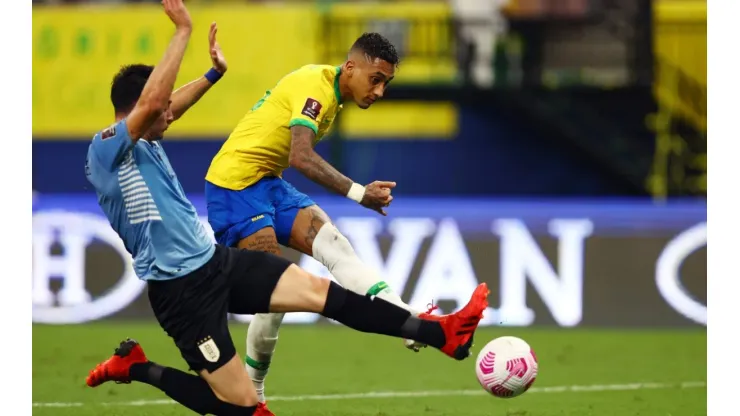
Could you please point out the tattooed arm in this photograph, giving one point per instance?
(311, 164)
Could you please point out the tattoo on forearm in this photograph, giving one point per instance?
(266, 243)
(314, 166)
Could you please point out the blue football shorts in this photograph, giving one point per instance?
(270, 202)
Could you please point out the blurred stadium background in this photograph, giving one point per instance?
(555, 149)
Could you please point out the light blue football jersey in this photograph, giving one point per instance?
(146, 205)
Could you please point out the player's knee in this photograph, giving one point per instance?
(330, 246)
(299, 291)
(319, 285)
(316, 291)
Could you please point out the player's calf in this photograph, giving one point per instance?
(333, 250)
(129, 363)
(262, 337)
(314, 234)
(231, 383)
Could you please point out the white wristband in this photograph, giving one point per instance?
(356, 192)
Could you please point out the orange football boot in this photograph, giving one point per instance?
(460, 326)
(117, 367)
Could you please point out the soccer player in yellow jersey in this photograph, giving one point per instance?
(251, 206)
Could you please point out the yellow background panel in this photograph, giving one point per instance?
(681, 35)
(77, 51)
(400, 120)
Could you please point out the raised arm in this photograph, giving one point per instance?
(155, 98)
(190, 93)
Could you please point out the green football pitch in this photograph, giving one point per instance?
(327, 370)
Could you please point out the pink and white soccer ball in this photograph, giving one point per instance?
(506, 367)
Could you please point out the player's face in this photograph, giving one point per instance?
(162, 123)
(368, 80)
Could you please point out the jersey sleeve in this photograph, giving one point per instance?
(111, 145)
(309, 105)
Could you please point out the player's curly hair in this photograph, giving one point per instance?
(376, 45)
(127, 86)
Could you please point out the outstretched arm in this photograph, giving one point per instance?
(305, 159)
(375, 196)
(190, 93)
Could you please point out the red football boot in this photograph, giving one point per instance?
(262, 410)
(116, 368)
(460, 326)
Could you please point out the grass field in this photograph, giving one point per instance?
(332, 371)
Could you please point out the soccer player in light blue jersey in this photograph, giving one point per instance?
(193, 284)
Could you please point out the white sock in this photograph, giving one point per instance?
(262, 336)
(334, 251)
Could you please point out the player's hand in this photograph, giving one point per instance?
(178, 13)
(217, 56)
(378, 196)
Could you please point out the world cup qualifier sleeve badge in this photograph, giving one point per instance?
(108, 132)
(311, 109)
(209, 349)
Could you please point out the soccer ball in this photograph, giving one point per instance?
(506, 367)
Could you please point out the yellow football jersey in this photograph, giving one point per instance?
(260, 144)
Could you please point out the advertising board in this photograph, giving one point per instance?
(584, 263)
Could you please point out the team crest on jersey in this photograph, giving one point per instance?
(209, 349)
(311, 109)
(108, 133)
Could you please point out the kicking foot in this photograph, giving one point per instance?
(460, 326)
(117, 367)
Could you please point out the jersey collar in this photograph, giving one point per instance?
(336, 85)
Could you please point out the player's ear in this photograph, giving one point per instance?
(349, 68)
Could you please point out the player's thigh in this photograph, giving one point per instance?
(262, 240)
(308, 221)
(231, 383)
(253, 276)
(236, 215)
(193, 310)
(295, 214)
(263, 282)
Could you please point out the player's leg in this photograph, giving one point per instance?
(245, 219)
(304, 226)
(262, 334)
(297, 290)
(226, 391)
(129, 363)
(193, 311)
(313, 233)
(266, 282)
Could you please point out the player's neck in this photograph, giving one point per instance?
(343, 88)
(145, 136)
